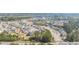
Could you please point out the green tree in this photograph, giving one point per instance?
(44, 36)
(7, 37)
(73, 36)
(72, 31)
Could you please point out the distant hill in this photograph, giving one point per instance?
(39, 14)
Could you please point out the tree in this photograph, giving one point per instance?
(44, 36)
(7, 37)
(74, 36)
(72, 31)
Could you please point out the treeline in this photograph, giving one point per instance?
(12, 18)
